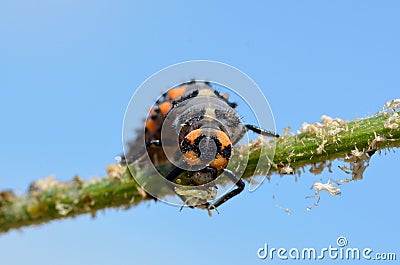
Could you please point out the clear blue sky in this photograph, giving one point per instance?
(69, 68)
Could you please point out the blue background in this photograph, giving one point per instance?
(69, 68)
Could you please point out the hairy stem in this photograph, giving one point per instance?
(48, 199)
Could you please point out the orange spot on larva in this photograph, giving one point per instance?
(164, 107)
(223, 138)
(176, 92)
(151, 125)
(193, 135)
(219, 162)
(152, 112)
(192, 158)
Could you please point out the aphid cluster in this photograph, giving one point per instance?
(193, 128)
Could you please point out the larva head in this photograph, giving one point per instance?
(207, 147)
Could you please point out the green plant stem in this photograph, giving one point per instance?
(48, 199)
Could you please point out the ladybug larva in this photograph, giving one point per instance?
(199, 126)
